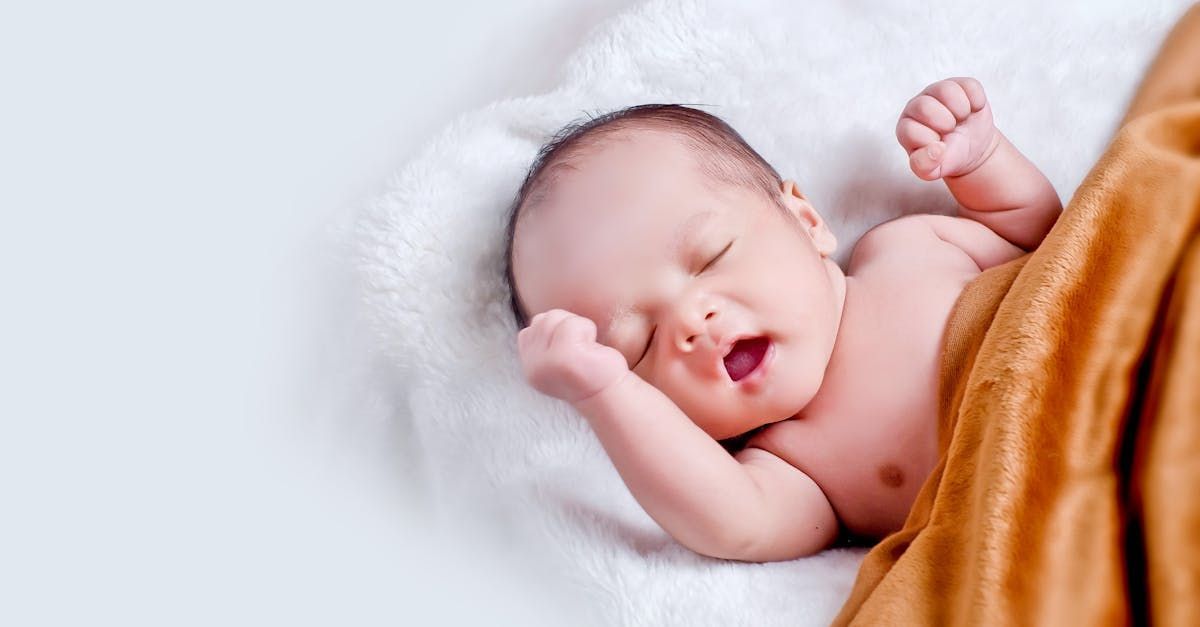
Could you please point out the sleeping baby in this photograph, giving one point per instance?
(681, 296)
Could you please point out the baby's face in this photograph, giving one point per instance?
(675, 268)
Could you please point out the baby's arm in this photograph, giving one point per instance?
(752, 507)
(948, 132)
(755, 507)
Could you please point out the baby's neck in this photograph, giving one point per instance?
(841, 284)
(848, 294)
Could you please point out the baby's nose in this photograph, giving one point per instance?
(691, 335)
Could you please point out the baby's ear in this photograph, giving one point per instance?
(797, 204)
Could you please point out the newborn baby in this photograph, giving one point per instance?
(679, 294)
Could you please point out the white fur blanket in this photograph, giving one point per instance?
(816, 88)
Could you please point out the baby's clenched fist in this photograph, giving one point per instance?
(561, 358)
(947, 129)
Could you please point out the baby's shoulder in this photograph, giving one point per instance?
(889, 237)
(905, 243)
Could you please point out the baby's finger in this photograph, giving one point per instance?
(552, 317)
(974, 91)
(536, 320)
(928, 111)
(576, 329)
(912, 134)
(926, 162)
(951, 94)
(529, 337)
(546, 322)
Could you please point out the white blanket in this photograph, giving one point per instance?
(816, 88)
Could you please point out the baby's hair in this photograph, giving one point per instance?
(726, 158)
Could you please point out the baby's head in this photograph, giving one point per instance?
(694, 259)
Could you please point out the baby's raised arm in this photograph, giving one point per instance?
(949, 133)
(753, 507)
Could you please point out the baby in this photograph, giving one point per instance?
(678, 294)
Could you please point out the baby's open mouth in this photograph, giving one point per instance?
(745, 356)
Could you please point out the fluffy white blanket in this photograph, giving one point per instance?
(816, 88)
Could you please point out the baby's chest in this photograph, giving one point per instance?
(872, 438)
(894, 368)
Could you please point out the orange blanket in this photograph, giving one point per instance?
(1068, 489)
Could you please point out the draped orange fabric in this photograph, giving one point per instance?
(1068, 488)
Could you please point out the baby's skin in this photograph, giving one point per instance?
(673, 312)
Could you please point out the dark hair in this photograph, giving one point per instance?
(728, 159)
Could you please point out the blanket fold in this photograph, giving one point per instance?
(1068, 488)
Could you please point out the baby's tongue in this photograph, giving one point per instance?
(745, 356)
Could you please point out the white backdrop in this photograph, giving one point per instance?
(177, 350)
(188, 431)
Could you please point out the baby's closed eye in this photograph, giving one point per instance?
(646, 350)
(716, 257)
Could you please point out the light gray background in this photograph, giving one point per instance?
(174, 351)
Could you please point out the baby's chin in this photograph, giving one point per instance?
(742, 428)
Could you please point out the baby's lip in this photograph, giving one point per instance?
(728, 343)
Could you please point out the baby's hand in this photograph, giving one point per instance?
(560, 356)
(947, 129)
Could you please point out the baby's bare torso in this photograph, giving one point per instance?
(869, 438)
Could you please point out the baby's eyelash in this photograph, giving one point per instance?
(719, 255)
(645, 352)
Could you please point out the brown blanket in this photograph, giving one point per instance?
(1068, 489)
